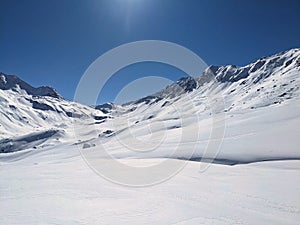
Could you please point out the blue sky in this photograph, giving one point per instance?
(52, 42)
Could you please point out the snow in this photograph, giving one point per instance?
(57, 187)
(53, 167)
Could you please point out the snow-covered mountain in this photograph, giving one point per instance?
(246, 116)
(35, 112)
(265, 90)
(11, 82)
(269, 81)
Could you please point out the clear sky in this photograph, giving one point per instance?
(52, 42)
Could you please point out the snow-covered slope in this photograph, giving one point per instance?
(25, 110)
(258, 104)
(267, 87)
(269, 80)
(246, 116)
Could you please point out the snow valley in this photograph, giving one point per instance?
(251, 177)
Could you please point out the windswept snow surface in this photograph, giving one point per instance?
(254, 177)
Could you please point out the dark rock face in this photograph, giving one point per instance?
(108, 132)
(100, 117)
(148, 99)
(231, 74)
(73, 115)
(40, 105)
(105, 108)
(188, 84)
(183, 85)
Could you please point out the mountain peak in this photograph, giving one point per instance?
(259, 69)
(11, 82)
